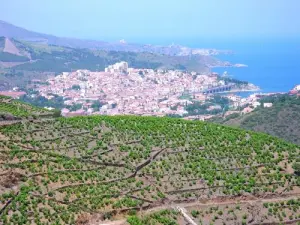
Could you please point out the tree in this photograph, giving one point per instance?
(195, 213)
(296, 167)
(76, 87)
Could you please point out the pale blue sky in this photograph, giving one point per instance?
(146, 19)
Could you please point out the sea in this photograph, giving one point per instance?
(273, 63)
(274, 66)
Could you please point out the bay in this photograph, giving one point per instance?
(273, 66)
(273, 63)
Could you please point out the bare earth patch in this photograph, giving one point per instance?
(11, 48)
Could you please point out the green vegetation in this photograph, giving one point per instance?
(76, 87)
(186, 96)
(8, 57)
(56, 102)
(2, 43)
(96, 105)
(282, 120)
(164, 217)
(57, 59)
(74, 107)
(296, 167)
(12, 74)
(195, 213)
(198, 108)
(16, 108)
(64, 168)
(277, 212)
(239, 83)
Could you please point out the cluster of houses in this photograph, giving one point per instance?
(124, 90)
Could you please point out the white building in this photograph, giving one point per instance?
(121, 67)
(49, 108)
(268, 105)
(297, 88)
(256, 104)
(234, 98)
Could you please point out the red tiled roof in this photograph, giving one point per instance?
(13, 94)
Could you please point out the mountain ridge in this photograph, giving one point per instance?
(39, 60)
(12, 31)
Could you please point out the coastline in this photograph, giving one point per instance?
(242, 90)
(226, 64)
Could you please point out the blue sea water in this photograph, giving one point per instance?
(274, 66)
(273, 63)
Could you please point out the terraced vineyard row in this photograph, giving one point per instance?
(20, 109)
(66, 170)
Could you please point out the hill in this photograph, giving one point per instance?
(87, 169)
(281, 120)
(10, 53)
(26, 61)
(11, 110)
(12, 31)
(66, 59)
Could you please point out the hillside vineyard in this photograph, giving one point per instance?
(56, 171)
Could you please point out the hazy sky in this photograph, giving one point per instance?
(146, 19)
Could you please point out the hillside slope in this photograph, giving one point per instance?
(10, 53)
(11, 109)
(53, 58)
(72, 170)
(12, 31)
(38, 61)
(282, 120)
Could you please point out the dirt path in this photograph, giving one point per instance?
(209, 203)
(117, 222)
(3, 137)
(214, 202)
(185, 215)
(9, 122)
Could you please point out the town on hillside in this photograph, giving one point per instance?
(120, 90)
